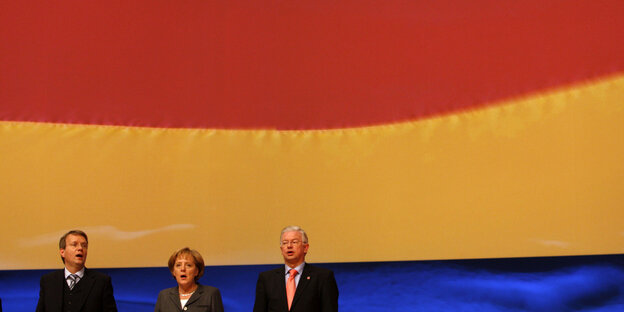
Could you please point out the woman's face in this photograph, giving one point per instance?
(185, 270)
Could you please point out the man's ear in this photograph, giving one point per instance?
(62, 252)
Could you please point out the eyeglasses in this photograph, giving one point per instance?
(75, 245)
(293, 242)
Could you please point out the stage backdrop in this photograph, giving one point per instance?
(389, 130)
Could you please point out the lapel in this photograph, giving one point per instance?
(174, 297)
(280, 278)
(56, 291)
(195, 296)
(83, 288)
(304, 281)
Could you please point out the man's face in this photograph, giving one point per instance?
(75, 252)
(293, 248)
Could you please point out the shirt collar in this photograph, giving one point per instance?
(299, 268)
(79, 273)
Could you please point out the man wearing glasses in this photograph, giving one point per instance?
(75, 288)
(297, 286)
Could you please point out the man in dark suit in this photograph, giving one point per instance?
(75, 288)
(297, 286)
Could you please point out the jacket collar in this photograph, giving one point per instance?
(304, 281)
(82, 288)
(174, 296)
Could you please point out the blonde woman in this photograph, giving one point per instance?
(187, 266)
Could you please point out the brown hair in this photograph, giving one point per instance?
(63, 240)
(197, 258)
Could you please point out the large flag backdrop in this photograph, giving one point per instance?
(390, 130)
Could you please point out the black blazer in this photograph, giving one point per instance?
(94, 292)
(316, 292)
(205, 299)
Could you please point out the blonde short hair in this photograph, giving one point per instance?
(194, 254)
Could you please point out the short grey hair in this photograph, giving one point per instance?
(294, 228)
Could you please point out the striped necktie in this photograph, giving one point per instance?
(73, 279)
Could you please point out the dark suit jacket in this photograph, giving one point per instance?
(316, 292)
(94, 292)
(205, 299)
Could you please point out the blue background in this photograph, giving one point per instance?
(580, 283)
